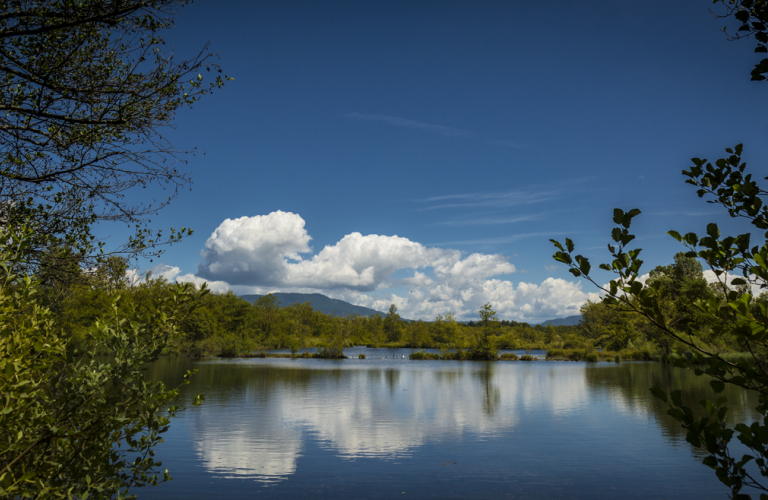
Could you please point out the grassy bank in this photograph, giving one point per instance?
(552, 355)
(592, 355)
(304, 355)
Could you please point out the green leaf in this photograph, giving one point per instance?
(721, 413)
(722, 475)
(584, 265)
(676, 398)
(658, 393)
(618, 215)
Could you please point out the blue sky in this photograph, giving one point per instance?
(423, 153)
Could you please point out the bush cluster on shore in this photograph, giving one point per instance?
(592, 355)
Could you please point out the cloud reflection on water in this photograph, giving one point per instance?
(260, 414)
(258, 431)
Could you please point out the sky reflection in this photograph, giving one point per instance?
(373, 428)
(374, 412)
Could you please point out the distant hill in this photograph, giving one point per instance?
(320, 303)
(569, 321)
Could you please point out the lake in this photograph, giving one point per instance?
(388, 427)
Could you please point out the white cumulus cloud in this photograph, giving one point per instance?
(272, 253)
(254, 250)
(265, 250)
(711, 277)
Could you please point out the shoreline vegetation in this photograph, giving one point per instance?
(551, 355)
(225, 325)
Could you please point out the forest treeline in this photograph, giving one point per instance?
(224, 324)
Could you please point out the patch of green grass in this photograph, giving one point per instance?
(424, 355)
(458, 354)
(741, 358)
(592, 356)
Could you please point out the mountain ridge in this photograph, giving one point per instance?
(336, 307)
(567, 321)
(319, 302)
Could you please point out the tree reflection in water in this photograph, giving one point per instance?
(629, 383)
(261, 414)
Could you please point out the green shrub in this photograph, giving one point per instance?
(482, 354)
(330, 352)
(556, 353)
(527, 357)
(507, 342)
(424, 355)
(740, 358)
(671, 357)
(573, 343)
(617, 358)
(90, 430)
(592, 357)
(458, 354)
(361, 356)
(509, 355)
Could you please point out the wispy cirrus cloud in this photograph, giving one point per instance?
(397, 121)
(487, 221)
(688, 213)
(493, 200)
(503, 240)
(405, 123)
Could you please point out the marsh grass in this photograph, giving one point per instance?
(457, 355)
(424, 355)
(737, 357)
(257, 354)
(741, 358)
(593, 356)
(330, 352)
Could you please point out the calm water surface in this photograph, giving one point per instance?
(387, 427)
